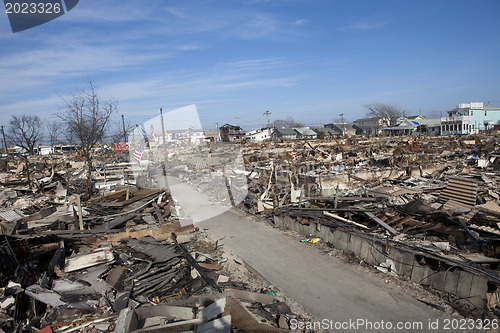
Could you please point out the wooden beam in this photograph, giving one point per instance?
(382, 223)
(335, 216)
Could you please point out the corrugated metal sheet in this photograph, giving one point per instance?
(11, 215)
(495, 231)
(460, 190)
(491, 205)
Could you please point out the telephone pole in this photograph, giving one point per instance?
(124, 130)
(343, 124)
(4, 141)
(267, 113)
(162, 127)
(237, 118)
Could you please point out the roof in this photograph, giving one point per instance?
(341, 127)
(212, 134)
(430, 122)
(406, 124)
(327, 130)
(232, 127)
(305, 131)
(286, 131)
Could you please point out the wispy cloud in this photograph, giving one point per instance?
(364, 25)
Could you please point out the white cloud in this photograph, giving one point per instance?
(365, 24)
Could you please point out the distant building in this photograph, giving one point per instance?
(371, 126)
(305, 133)
(231, 133)
(212, 136)
(496, 130)
(430, 126)
(470, 118)
(405, 127)
(285, 133)
(342, 128)
(410, 118)
(327, 133)
(258, 135)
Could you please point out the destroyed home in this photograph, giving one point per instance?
(231, 133)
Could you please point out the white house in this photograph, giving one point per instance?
(258, 135)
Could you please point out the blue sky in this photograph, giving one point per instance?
(308, 59)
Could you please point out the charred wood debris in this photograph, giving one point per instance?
(121, 260)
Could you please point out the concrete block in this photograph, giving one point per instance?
(403, 261)
(348, 245)
(366, 249)
(438, 281)
(451, 282)
(417, 274)
(325, 234)
(428, 277)
(378, 253)
(479, 286)
(278, 221)
(336, 238)
(356, 242)
(341, 241)
(464, 284)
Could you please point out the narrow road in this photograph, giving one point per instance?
(325, 286)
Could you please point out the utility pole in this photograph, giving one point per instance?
(124, 130)
(4, 141)
(237, 118)
(162, 127)
(343, 124)
(267, 113)
(217, 126)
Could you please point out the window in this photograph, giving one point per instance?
(471, 113)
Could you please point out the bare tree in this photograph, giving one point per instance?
(289, 122)
(53, 128)
(388, 112)
(25, 131)
(86, 117)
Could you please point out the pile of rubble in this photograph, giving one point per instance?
(433, 200)
(122, 259)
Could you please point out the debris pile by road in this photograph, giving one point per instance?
(123, 259)
(433, 200)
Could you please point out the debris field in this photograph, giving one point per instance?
(125, 258)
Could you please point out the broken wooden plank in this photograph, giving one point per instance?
(163, 233)
(120, 220)
(382, 223)
(340, 218)
(96, 257)
(195, 265)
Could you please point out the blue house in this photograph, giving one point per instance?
(470, 118)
